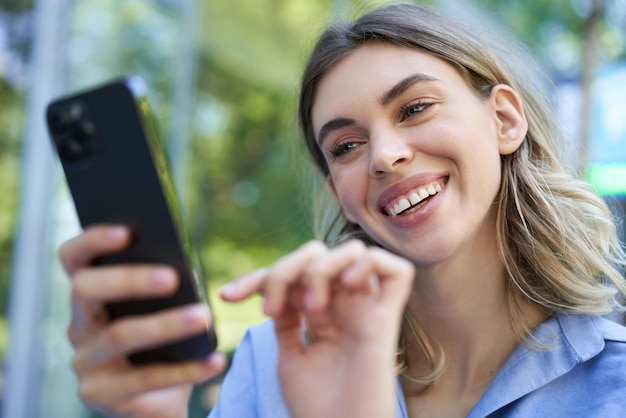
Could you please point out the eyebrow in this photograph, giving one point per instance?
(333, 125)
(394, 92)
(403, 85)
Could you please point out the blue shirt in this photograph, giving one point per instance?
(582, 374)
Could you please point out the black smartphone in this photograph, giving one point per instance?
(118, 173)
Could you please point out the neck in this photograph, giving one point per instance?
(463, 306)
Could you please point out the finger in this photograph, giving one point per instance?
(107, 389)
(289, 329)
(285, 273)
(133, 334)
(119, 282)
(244, 286)
(396, 275)
(95, 241)
(361, 276)
(326, 271)
(93, 287)
(87, 319)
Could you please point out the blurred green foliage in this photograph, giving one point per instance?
(13, 16)
(555, 30)
(11, 111)
(244, 195)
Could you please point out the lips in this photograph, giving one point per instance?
(412, 197)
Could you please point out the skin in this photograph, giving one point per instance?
(434, 127)
(107, 382)
(351, 297)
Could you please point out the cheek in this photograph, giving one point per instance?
(351, 192)
(471, 143)
(481, 173)
(472, 148)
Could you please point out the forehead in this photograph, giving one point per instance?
(369, 71)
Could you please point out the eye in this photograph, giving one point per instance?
(413, 109)
(343, 148)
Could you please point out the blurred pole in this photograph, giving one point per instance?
(32, 256)
(179, 138)
(589, 65)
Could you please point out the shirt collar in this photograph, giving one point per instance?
(569, 339)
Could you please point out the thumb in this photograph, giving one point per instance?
(289, 329)
(396, 276)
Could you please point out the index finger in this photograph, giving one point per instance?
(396, 274)
(95, 241)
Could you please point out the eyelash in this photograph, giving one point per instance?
(342, 148)
(412, 106)
(345, 147)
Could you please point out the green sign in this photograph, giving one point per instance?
(609, 179)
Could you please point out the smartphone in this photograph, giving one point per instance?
(118, 173)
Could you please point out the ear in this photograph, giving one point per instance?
(333, 189)
(511, 123)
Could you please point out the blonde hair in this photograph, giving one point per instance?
(556, 237)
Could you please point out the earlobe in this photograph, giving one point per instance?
(512, 125)
(333, 189)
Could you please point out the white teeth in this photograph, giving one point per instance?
(404, 204)
(414, 198)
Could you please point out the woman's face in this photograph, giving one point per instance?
(413, 152)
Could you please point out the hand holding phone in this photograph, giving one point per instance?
(107, 381)
(118, 173)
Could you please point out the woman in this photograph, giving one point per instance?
(470, 272)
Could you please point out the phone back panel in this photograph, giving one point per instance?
(117, 173)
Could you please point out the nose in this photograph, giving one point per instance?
(388, 152)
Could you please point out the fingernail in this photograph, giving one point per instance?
(309, 301)
(229, 288)
(116, 233)
(266, 307)
(347, 275)
(194, 314)
(215, 360)
(162, 277)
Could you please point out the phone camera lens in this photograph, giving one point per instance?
(85, 129)
(71, 148)
(63, 119)
(77, 143)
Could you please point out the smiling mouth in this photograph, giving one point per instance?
(414, 200)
